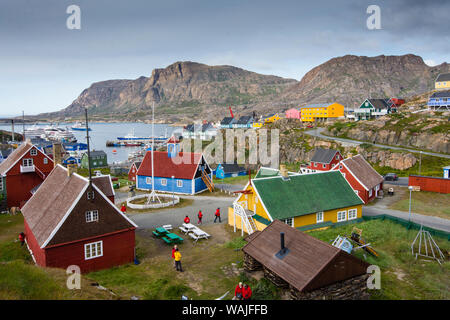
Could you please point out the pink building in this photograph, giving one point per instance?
(293, 113)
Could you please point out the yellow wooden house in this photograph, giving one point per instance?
(303, 201)
(258, 124)
(442, 81)
(321, 112)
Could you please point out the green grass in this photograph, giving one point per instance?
(427, 203)
(234, 180)
(421, 279)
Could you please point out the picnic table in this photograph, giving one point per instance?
(198, 234)
(159, 232)
(174, 237)
(187, 227)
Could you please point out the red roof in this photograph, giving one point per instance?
(183, 166)
(173, 140)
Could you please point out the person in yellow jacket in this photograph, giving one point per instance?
(177, 256)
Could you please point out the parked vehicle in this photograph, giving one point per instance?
(390, 177)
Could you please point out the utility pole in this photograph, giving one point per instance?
(23, 125)
(88, 148)
(420, 163)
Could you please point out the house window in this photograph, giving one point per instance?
(319, 217)
(164, 182)
(179, 183)
(370, 192)
(1, 184)
(341, 216)
(90, 195)
(324, 165)
(337, 157)
(352, 214)
(45, 161)
(288, 221)
(93, 250)
(92, 216)
(33, 152)
(27, 162)
(340, 166)
(148, 180)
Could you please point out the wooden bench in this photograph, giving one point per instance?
(166, 240)
(183, 229)
(193, 236)
(156, 234)
(167, 227)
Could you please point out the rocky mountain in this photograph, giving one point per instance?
(350, 79)
(185, 90)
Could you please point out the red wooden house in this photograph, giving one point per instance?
(324, 159)
(133, 170)
(104, 182)
(70, 221)
(24, 169)
(366, 182)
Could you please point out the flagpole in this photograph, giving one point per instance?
(153, 193)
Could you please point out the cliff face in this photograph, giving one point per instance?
(350, 79)
(185, 90)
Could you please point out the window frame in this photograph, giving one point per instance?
(317, 217)
(91, 214)
(26, 162)
(91, 195)
(33, 152)
(345, 215)
(148, 180)
(45, 160)
(164, 182)
(355, 211)
(93, 248)
(292, 221)
(179, 183)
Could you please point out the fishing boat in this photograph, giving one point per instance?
(79, 127)
(132, 137)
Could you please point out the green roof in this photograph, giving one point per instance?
(305, 194)
(264, 172)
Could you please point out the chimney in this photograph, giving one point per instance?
(71, 168)
(284, 172)
(283, 250)
(57, 153)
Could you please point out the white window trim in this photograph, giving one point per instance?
(317, 217)
(26, 162)
(90, 195)
(93, 245)
(345, 216)
(180, 183)
(292, 222)
(148, 180)
(351, 211)
(324, 165)
(91, 216)
(370, 192)
(45, 161)
(33, 152)
(164, 182)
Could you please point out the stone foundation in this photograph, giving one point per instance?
(350, 289)
(251, 264)
(276, 280)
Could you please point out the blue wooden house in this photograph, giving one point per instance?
(226, 170)
(175, 172)
(440, 100)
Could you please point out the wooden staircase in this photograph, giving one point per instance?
(40, 173)
(207, 180)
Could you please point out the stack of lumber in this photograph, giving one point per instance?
(251, 264)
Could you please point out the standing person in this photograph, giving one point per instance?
(22, 238)
(200, 216)
(175, 248)
(123, 208)
(217, 214)
(177, 256)
(187, 220)
(246, 292)
(238, 292)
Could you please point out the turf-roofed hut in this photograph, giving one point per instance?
(303, 201)
(70, 221)
(309, 267)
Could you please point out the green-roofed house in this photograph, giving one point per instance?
(303, 201)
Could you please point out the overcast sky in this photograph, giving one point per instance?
(44, 66)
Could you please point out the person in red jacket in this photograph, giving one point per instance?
(217, 214)
(187, 220)
(246, 292)
(238, 292)
(200, 216)
(175, 247)
(123, 208)
(22, 238)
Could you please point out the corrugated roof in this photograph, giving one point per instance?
(380, 103)
(15, 156)
(443, 77)
(305, 194)
(226, 120)
(323, 155)
(183, 166)
(310, 263)
(244, 120)
(232, 168)
(363, 171)
(317, 105)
